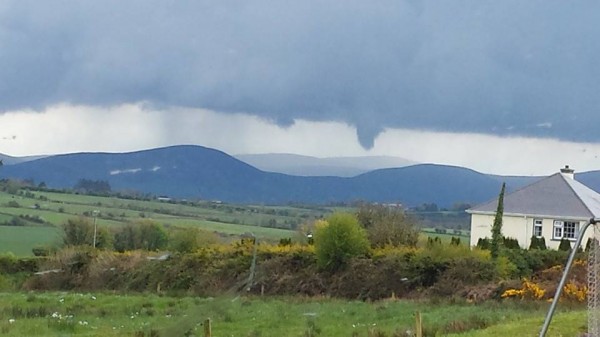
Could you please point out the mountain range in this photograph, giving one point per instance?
(299, 165)
(197, 172)
(9, 160)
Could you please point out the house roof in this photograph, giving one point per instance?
(557, 195)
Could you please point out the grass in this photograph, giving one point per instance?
(570, 324)
(56, 208)
(444, 237)
(20, 240)
(100, 314)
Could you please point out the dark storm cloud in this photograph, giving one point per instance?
(501, 67)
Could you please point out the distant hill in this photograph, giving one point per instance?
(591, 179)
(294, 164)
(199, 172)
(514, 182)
(9, 160)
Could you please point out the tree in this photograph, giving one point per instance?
(125, 238)
(80, 231)
(92, 186)
(153, 235)
(190, 239)
(537, 243)
(497, 226)
(144, 234)
(564, 245)
(483, 243)
(339, 240)
(387, 226)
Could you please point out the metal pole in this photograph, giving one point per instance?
(563, 279)
(95, 229)
(253, 264)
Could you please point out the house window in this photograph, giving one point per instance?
(537, 228)
(565, 229)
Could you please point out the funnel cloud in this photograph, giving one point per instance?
(509, 68)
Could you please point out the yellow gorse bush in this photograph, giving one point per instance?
(532, 291)
(574, 293)
(529, 290)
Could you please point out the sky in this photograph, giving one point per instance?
(506, 87)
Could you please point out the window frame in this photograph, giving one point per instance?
(538, 224)
(559, 230)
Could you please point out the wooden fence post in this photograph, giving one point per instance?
(207, 328)
(419, 325)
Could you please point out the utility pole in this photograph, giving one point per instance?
(95, 213)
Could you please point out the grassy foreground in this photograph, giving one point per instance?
(100, 314)
(571, 324)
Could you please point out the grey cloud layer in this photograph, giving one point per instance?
(502, 67)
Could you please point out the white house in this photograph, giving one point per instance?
(554, 207)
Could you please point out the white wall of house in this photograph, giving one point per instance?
(520, 227)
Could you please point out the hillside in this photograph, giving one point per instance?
(294, 164)
(10, 160)
(199, 172)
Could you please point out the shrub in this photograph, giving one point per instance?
(339, 240)
(518, 258)
(529, 290)
(565, 245)
(16, 221)
(462, 272)
(484, 243)
(80, 231)
(510, 243)
(144, 234)
(543, 259)
(387, 226)
(433, 241)
(190, 239)
(504, 268)
(40, 251)
(537, 243)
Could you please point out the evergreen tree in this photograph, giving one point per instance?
(537, 243)
(483, 243)
(497, 226)
(564, 245)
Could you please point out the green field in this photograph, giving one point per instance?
(51, 209)
(444, 237)
(100, 314)
(20, 240)
(41, 213)
(564, 324)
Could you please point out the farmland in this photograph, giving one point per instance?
(20, 240)
(40, 213)
(102, 314)
(127, 294)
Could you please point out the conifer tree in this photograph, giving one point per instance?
(497, 226)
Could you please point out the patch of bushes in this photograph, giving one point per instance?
(462, 273)
(537, 243)
(10, 264)
(15, 221)
(565, 245)
(338, 239)
(441, 270)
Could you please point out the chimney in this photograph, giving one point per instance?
(568, 172)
